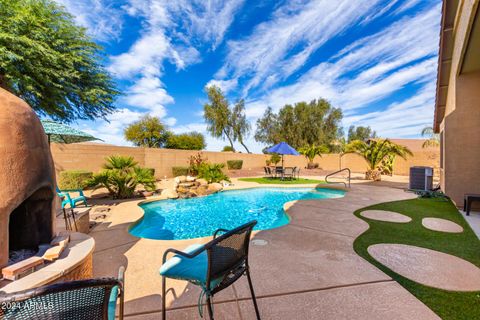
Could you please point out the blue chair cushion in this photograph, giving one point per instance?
(112, 303)
(194, 269)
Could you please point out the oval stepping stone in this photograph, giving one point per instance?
(437, 224)
(428, 267)
(388, 216)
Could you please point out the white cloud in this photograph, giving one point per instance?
(207, 21)
(408, 4)
(145, 57)
(302, 28)
(102, 20)
(111, 131)
(406, 118)
(148, 94)
(224, 85)
(196, 126)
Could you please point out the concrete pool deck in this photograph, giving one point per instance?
(304, 270)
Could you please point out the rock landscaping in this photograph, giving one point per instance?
(189, 187)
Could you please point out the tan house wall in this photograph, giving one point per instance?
(92, 156)
(461, 142)
(460, 172)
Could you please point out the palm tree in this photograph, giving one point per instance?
(311, 151)
(121, 176)
(433, 138)
(375, 151)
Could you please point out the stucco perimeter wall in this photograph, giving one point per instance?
(92, 156)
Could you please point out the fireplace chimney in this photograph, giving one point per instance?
(27, 178)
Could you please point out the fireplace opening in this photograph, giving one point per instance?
(30, 225)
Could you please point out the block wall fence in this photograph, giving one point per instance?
(92, 156)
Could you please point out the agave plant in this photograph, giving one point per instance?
(311, 151)
(121, 176)
(375, 152)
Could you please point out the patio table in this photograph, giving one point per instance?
(280, 172)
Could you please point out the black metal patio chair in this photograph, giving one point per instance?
(279, 172)
(288, 173)
(296, 173)
(92, 299)
(268, 172)
(213, 266)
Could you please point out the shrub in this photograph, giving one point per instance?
(228, 149)
(74, 179)
(275, 158)
(121, 176)
(212, 172)
(152, 171)
(195, 162)
(234, 164)
(179, 171)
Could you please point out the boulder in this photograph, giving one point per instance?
(215, 187)
(202, 182)
(190, 179)
(181, 189)
(169, 194)
(180, 179)
(186, 184)
(203, 190)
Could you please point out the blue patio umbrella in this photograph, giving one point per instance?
(283, 148)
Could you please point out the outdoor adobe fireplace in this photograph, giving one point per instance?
(27, 179)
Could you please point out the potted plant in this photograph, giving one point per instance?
(310, 152)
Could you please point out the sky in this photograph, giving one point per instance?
(376, 60)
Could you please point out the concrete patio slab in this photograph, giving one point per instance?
(428, 267)
(313, 253)
(384, 300)
(443, 225)
(473, 220)
(297, 258)
(326, 219)
(227, 311)
(387, 216)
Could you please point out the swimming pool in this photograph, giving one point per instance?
(200, 217)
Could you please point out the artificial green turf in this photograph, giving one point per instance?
(279, 181)
(447, 304)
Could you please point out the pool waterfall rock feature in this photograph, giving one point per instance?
(190, 187)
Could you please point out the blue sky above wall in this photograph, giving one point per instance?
(376, 60)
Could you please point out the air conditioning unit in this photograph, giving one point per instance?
(421, 178)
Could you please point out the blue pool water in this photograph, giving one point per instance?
(200, 217)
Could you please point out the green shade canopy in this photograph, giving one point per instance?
(60, 133)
